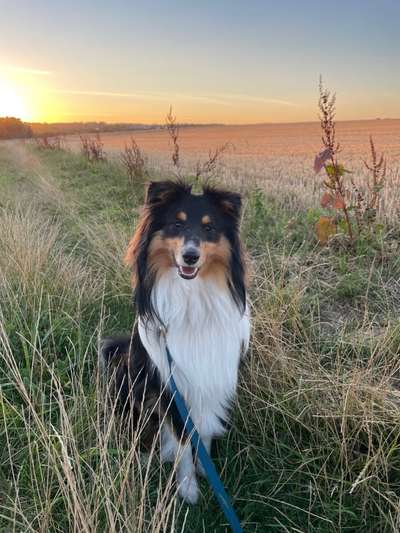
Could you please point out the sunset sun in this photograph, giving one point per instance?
(12, 103)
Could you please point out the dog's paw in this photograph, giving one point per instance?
(189, 490)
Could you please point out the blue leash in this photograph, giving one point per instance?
(208, 465)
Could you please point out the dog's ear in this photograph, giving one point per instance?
(230, 203)
(160, 192)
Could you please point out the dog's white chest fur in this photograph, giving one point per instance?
(206, 336)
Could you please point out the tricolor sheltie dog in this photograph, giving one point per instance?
(189, 280)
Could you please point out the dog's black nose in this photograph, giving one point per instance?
(191, 256)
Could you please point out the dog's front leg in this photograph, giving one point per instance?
(188, 487)
(169, 445)
(181, 452)
(207, 440)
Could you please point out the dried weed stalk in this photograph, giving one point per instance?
(173, 131)
(50, 143)
(209, 167)
(335, 183)
(367, 201)
(134, 162)
(92, 148)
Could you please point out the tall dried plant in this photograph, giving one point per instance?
(50, 143)
(134, 162)
(173, 131)
(367, 201)
(208, 168)
(327, 159)
(377, 167)
(92, 148)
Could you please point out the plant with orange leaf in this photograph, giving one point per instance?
(363, 202)
(336, 194)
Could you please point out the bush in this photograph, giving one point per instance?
(14, 128)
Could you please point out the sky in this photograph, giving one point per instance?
(213, 61)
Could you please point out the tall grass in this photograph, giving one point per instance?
(67, 461)
(314, 443)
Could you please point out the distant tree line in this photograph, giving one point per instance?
(14, 128)
(43, 129)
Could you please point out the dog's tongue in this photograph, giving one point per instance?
(188, 271)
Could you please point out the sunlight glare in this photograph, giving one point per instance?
(11, 103)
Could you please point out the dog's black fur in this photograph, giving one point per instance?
(137, 386)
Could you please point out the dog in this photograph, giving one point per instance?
(189, 281)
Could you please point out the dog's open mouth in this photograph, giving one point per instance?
(187, 272)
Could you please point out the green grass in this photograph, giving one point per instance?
(314, 443)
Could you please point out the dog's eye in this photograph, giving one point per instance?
(208, 227)
(178, 224)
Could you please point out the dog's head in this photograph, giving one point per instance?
(196, 235)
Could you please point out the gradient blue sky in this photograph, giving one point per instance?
(214, 61)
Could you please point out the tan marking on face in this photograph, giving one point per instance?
(162, 253)
(182, 216)
(206, 219)
(215, 257)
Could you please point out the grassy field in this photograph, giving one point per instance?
(314, 444)
(275, 157)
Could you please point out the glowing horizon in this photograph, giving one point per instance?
(254, 63)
